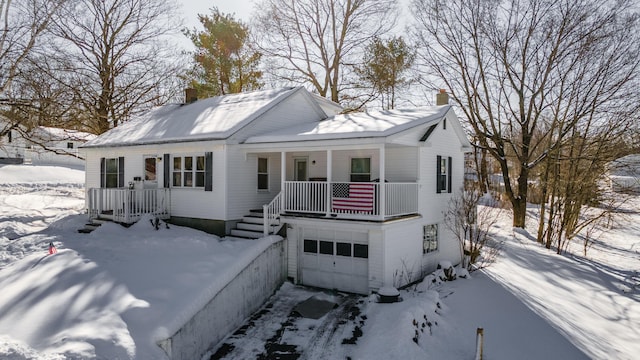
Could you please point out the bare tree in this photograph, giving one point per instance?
(22, 24)
(470, 217)
(114, 56)
(318, 42)
(515, 67)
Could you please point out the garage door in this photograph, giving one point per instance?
(340, 265)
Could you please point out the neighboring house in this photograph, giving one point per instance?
(624, 174)
(360, 196)
(44, 146)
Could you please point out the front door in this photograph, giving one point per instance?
(300, 169)
(150, 172)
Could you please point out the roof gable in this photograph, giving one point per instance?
(214, 118)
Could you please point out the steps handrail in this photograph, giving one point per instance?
(271, 211)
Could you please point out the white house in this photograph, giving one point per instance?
(624, 174)
(43, 146)
(359, 197)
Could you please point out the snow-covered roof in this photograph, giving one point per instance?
(214, 118)
(357, 125)
(626, 166)
(57, 134)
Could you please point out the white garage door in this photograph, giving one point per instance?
(335, 264)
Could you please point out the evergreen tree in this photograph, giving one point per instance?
(223, 61)
(385, 63)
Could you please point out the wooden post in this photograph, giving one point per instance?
(479, 343)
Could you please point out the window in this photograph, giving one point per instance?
(343, 249)
(187, 179)
(69, 145)
(112, 172)
(430, 238)
(311, 246)
(263, 174)
(188, 171)
(443, 174)
(326, 247)
(360, 251)
(199, 171)
(150, 169)
(360, 169)
(177, 171)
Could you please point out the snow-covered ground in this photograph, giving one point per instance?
(113, 293)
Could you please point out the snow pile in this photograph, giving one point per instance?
(26, 174)
(105, 294)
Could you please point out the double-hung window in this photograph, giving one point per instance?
(112, 172)
(188, 171)
(443, 174)
(360, 169)
(263, 174)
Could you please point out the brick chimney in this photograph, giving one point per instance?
(442, 98)
(190, 95)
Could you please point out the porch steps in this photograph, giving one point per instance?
(90, 226)
(252, 226)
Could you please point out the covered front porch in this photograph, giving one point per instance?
(347, 183)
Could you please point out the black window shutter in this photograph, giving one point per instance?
(121, 172)
(449, 174)
(102, 172)
(438, 173)
(166, 172)
(208, 171)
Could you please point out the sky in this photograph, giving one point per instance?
(191, 8)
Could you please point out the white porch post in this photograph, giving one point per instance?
(382, 190)
(283, 170)
(329, 186)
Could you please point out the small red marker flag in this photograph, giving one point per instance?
(52, 249)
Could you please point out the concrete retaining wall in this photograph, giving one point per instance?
(230, 307)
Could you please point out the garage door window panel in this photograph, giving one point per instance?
(361, 251)
(343, 249)
(326, 247)
(311, 246)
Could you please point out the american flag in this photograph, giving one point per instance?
(353, 197)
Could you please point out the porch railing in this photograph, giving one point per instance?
(128, 205)
(271, 212)
(350, 199)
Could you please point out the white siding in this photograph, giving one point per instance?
(315, 170)
(401, 164)
(293, 239)
(242, 177)
(444, 143)
(185, 202)
(404, 260)
(342, 163)
(402, 252)
(376, 259)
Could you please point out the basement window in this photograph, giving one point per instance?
(430, 238)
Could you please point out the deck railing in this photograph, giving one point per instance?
(350, 199)
(128, 205)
